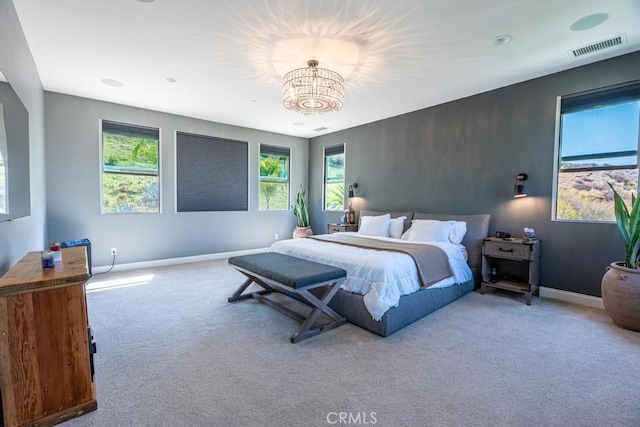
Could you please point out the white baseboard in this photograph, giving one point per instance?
(174, 261)
(572, 297)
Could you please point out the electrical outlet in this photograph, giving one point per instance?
(276, 236)
(114, 251)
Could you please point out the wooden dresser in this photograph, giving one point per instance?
(46, 349)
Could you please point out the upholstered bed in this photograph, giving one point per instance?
(408, 300)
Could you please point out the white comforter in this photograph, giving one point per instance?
(381, 276)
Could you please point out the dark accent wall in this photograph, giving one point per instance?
(463, 156)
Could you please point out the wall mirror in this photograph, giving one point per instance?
(14, 155)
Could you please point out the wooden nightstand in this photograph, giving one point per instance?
(513, 265)
(335, 228)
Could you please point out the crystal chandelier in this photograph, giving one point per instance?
(313, 90)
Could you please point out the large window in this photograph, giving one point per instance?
(274, 178)
(130, 176)
(334, 178)
(598, 145)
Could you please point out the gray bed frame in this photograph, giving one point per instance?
(415, 306)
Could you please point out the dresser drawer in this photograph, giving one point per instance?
(507, 250)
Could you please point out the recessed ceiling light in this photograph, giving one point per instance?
(501, 40)
(297, 124)
(169, 79)
(146, 1)
(112, 82)
(589, 22)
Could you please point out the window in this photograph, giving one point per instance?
(130, 177)
(274, 178)
(598, 145)
(334, 178)
(212, 174)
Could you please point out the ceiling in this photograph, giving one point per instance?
(229, 56)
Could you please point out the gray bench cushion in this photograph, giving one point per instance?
(295, 273)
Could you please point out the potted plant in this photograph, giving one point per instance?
(621, 283)
(301, 212)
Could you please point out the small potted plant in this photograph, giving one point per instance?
(621, 283)
(301, 212)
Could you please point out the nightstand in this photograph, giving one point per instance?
(335, 228)
(513, 265)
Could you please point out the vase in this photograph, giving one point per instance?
(621, 295)
(302, 232)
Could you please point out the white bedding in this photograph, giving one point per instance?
(381, 276)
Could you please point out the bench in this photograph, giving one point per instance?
(291, 276)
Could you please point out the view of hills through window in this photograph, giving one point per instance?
(599, 146)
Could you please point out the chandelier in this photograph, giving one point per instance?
(313, 90)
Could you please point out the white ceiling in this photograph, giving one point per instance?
(229, 56)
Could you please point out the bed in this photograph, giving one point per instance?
(384, 290)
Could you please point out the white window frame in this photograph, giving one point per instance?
(289, 203)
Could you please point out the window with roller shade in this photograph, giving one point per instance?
(212, 174)
(598, 144)
(130, 168)
(274, 177)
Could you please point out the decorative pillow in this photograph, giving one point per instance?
(429, 231)
(396, 225)
(375, 225)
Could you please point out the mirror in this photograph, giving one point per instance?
(14, 155)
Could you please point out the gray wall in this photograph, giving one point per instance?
(22, 235)
(463, 156)
(73, 188)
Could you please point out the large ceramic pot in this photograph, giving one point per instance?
(302, 232)
(621, 295)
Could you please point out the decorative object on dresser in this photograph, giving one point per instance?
(620, 285)
(46, 346)
(301, 211)
(336, 228)
(511, 264)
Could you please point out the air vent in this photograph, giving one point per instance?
(598, 46)
(320, 129)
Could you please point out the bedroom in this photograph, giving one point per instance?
(500, 133)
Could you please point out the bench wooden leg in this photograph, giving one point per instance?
(306, 329)
(238, 296)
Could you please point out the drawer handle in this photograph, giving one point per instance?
(505, 250)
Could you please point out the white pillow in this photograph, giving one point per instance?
(458, 230)
(375, 225)
(430, 231)
(396, 225)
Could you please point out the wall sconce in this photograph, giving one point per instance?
(518, 187)
(351, 187)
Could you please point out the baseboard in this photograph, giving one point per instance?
(572, 297)
(174, 261)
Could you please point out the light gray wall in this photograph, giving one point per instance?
(463, 156)
(73, 187)
(22, 235)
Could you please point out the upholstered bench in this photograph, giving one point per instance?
(290, 275)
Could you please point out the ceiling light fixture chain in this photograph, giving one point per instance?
(313, 90)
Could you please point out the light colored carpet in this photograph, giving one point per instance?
(173, 352)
